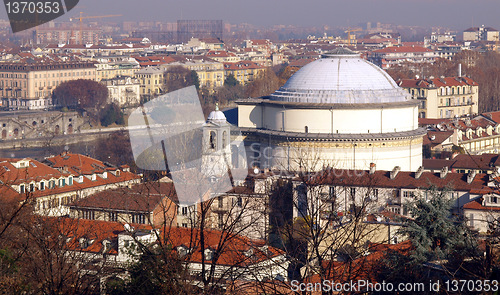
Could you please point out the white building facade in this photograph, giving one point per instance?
(339, 111)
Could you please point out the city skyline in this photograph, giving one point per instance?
(455, 14)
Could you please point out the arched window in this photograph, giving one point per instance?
(307, 129)
(224, 139)
(213, 140)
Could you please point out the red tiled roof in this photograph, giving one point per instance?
(464, 161)
(437, 82)
(404, 179)
(402, 49)
(494, 116)
(219, 53)
(242, 65)
(301, 62)
(95, 231)
(35, 171)
(233, 252)
(436, 137)
(78, 164)
(360, 268)
(477, 204)
(143, 197)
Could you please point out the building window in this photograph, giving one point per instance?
(221, 220)
(32, 187)
(139, 218)
(113, 216)
(70, 180)
(88, 214)
(224, 139)
(239, 202)
(42, 185)
(213, 140)
(353, 191)
(22, 189)
(184, 210)
(221, 201)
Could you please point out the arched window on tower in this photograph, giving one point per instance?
(213, 140)
(224, 139)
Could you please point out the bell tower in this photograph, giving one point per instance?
(216, 154)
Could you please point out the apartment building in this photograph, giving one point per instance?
(444, 97)
(123, 90)
(151, 80)
(211, 73)
(481, 34)
(397, 55)
(28, 83)
(477, 135)
(56, 182)
(244, 71)
(152, 203)
(110, 70)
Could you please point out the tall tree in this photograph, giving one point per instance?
(177, 77)
(81, 94)
(442, 246)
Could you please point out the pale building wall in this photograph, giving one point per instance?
(376, 120)
(386, 155)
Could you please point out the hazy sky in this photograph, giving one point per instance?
(457, 14)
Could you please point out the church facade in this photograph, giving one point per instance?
(338, 111)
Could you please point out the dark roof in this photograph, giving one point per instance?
(404, 179)
(140, 198)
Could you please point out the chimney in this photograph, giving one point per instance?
(419, 172)
(470, 176)
(373, 168)
(395, 172)
(460, 70)
(444, 172)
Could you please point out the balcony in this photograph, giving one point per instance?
(331, 216)
(325, 197)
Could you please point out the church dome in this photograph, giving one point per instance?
(340, 76)
(217, 116)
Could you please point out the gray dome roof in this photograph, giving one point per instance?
(340, 76)
(216, 116)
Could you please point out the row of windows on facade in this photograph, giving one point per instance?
(373, 193)
(451, 113)
(213, 139)
(238, 202)
(61, 182)
(31, 187)
(445, 91)
(56, 202)
(54, 75)
(455, 101)
(114, 216)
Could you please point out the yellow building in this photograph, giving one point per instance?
(210, 72)
(244, 71)
(29, 85)
(151, 80)
(445, 97)
(107, 71)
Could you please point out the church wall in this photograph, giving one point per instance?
(314, 156)
(344, 120)
(250, 116)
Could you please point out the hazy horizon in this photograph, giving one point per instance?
(455, 14)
